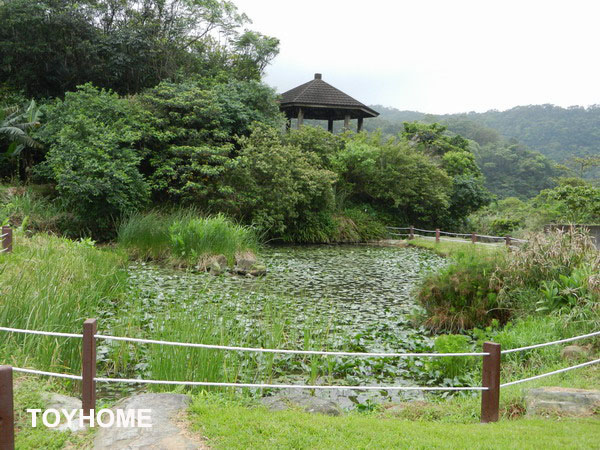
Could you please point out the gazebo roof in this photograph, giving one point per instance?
(320, 100)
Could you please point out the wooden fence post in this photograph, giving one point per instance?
(490, 398)
(437, 235)
(88, 367)
(507, 239)
(412, 232)
(7, 238)
(473, 238)
(7, 417)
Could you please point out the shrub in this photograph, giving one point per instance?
(452, 367)
(279, 187)
(554, 271)
(91, 157)
(462, 296)
(26, 208)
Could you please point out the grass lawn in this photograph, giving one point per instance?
(449, 248)
(231, 426)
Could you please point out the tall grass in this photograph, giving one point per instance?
(25, 207)
(54, 284)
(208, 324)
(185, 237)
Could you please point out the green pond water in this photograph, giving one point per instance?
(352, 298)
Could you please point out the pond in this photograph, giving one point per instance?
(351, 297)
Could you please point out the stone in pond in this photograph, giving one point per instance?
(308, 403)
(563, 401)
(245, 261)
(167, 431)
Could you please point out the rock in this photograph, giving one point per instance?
(166, 432)
(564, 401)
(574, 352)
(245, 261)
(215, 264)
(258, 271)
(215, 268)
(59, 402)
(308, 403)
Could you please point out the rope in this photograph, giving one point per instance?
(294, 352)
(398, 228)
(578, 366)
(424, 231)
(43, 333)
(545, 344)
(289, 386)
(49, 374)
(3, 250)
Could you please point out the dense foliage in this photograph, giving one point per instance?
(51, 46)
(91, 138)
(553, 273)
(572, 201)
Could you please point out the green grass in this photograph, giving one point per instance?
(29, 208)
(54, 284)
(229, 425)
(184, 236)
(449, 248)
(29, 393)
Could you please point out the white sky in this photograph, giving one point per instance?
(438, 56)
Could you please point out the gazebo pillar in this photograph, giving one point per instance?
(288, 124)
(300, 117)
(347, 122)
(330, 125)
(360, 124)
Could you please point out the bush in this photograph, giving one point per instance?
(452, 367)
(25, 207)
(91, 137)
(553, 272)
(279, 188)
(462, 295)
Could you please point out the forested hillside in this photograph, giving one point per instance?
(561, 134)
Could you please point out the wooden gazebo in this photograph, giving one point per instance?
(321, 101)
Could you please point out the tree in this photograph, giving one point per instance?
(194, 133)
(51, 46)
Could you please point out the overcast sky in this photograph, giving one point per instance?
(438, 56)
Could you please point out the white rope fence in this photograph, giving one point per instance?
(298, 352)
(578, 366)
(42, 333)
(545, 344)
(48, 374)
(290, 386)
(411, 232)
(284, 351)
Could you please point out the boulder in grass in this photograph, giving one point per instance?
(574, 352)
(562, 401)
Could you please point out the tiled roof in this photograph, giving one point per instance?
(318, 92)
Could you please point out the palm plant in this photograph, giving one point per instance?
(15, 122)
